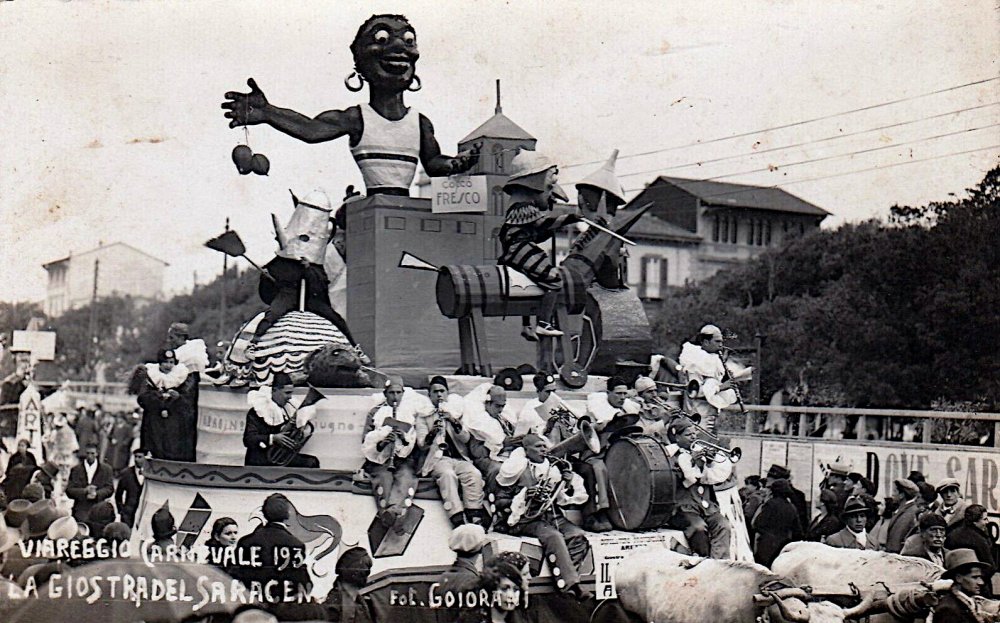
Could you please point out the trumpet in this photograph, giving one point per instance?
(690, 389)
(734, 455)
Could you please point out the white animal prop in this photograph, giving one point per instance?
(666, 587)
(830, 569)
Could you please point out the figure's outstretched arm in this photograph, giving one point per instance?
(435, 163)
(253, 108)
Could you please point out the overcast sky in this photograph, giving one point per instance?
(110, 126)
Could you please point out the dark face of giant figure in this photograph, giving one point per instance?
(385, 52)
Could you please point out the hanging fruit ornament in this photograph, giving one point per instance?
(259, 164)
(243, 158)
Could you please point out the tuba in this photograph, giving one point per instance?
(543, 503)
(280, 455)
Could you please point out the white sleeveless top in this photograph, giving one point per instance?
(388, 151)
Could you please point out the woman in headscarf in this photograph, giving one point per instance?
(777, 523)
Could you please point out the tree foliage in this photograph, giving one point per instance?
(897, 314)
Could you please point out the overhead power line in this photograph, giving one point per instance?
(791, 125)
(842, 174)
(853, 153)
(804, 143)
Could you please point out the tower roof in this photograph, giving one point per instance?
(498, 126)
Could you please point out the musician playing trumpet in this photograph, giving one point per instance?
(268, 424)
(447, 456)
(706, 361)
(707, 531)
(390, 437)
(534, 490)
(653, 414)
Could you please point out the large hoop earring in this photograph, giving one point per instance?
(416, 79)
(360, 84)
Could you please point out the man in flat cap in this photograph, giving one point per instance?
(929, 542)
(701, 360)
(389, 441)
(467, 541)
(652, 416)
(905, 517)
(951, 505)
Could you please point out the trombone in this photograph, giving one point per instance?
(690, 389)
(733, 455)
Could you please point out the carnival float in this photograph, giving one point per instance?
(425, 296)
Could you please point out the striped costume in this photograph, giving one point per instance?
(523, 230)
(388, 151)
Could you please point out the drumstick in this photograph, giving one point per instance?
(614, 502)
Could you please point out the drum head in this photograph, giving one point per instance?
(509, 379)
(641, 481)
(573, 375)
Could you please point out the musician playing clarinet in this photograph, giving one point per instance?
(267, 424)
(447, 457)
(390, 438)
(705, 361)
(698, 513)
(534, 490)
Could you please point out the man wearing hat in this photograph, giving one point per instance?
(341, 603)
(701, 360)
(838, 480)
(697, 511)
(493, 427)
(529, 419)
(854, 535)
(90, 483)
(599, 196)
(389, 441)
(533, 188)
(467, 542)
(963, 603)
(929, 542)
(167, 392)
(952, 506)
(130, 487)
(447, 457)
(905, 517)
(270, 411)
(652, 417)
(534, 490)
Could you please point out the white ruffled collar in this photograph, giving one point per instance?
(260, 401)
(170, 380)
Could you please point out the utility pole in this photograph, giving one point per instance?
(222, 297)
(92, 330)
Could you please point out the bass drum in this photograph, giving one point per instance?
(641, 479)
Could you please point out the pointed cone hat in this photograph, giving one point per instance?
(605, 178)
